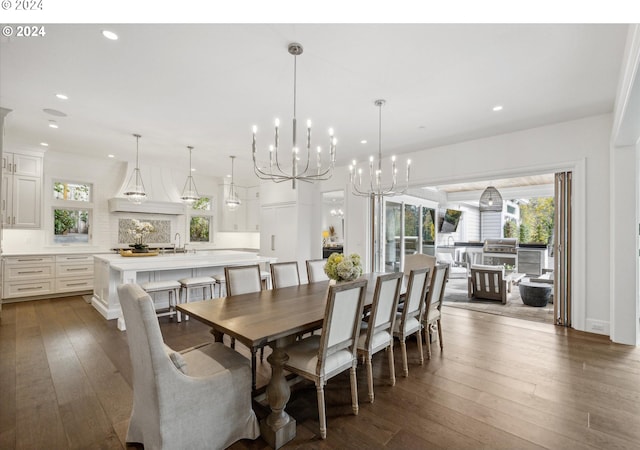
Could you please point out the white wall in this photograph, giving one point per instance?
(580, 145)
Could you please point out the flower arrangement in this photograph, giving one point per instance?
(343, 268)
(139, 231)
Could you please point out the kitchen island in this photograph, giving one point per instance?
(113, 269)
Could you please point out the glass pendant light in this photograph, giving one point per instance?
(232, 201)
(189, 192)
(135, 191)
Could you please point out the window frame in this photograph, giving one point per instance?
(204, 213)
(71, 205)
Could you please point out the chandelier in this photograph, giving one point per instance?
(303, 171)
(135, 187)
(376, 187)
(189, 191)
(490, 200)
(232, 201)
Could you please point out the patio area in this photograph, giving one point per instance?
(455, 296)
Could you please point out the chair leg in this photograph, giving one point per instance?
(369, 377)
(427, 332)
(440, 335)
(420, 347)
(392, 366)
(261, 354)
(405, 366)
(354, 390)
(233, 344)
(177, 299)
(321, 412)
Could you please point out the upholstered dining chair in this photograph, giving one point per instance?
(409, 321)
(320, 357)
(432, 311)
(196, 399)
(244, 280)
(377, 333)
(418, 261)
(315, 270)
(284, 274)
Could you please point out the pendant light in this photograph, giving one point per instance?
(232, 201)
(189, 191)
(490, 200)
(135, 191)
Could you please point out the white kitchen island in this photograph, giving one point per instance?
(113, 269)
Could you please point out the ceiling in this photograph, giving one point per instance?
(207, 85)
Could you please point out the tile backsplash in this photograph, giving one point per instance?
(161, 235)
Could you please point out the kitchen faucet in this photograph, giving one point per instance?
(176, 238)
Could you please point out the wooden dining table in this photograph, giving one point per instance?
(271, 317)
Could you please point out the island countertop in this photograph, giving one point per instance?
(112, 270)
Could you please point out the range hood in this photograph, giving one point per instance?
(118, 204)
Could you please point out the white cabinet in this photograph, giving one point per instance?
(245, 217)
(38, 275)
(278, 229)
(21, 190)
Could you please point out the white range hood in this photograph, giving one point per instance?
(149, 207)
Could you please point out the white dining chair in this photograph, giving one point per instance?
(377, 333)
(284, 274)
(432, 313)
(409, 321)
(315, 270)
(320, 357)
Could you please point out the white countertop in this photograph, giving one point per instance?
(169, 261)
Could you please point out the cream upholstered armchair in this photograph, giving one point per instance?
(197, 399)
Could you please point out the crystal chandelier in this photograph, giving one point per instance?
(376, 187)
(189, 191)
(299, 170)
(232, 201)
(135, 187)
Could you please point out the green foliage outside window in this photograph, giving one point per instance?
(536, 222)
(199, 229)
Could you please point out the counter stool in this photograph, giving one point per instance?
(195, 282)
(220, 281)
(172, 288)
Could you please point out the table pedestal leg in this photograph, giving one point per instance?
(279, 427)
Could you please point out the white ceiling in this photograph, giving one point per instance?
(206, 85)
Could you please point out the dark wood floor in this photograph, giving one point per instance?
(501, 383)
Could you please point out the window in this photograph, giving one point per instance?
(72, 210)
(200, 220)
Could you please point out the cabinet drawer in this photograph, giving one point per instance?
(29, 272)
(74, 270)
(74, 258)
(29, 260)
(14, 289)
(74, 284)
(530, 257)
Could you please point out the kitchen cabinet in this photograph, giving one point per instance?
(38, 275)
(21, 190)
(246, 217)
(278, 228)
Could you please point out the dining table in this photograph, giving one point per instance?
(271, 317)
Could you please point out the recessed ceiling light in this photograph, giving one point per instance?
(110, 35)
(44, 144)
(228, 175)
(52, 124)
(497, 108)
(111, 156)
(193, 169)
(364, 141)
(62, 97)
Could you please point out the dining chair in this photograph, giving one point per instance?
(284, 274)
(432, 311)
(320, 357)
(244, 280)
(409, 321)
(195, 399)
(315, 270)
(377, 333)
